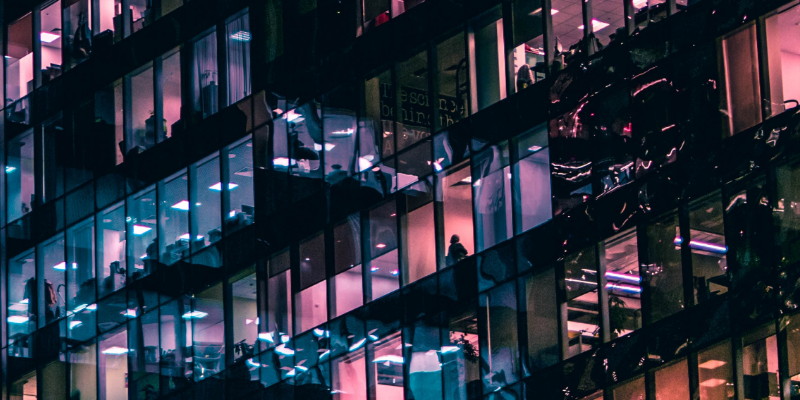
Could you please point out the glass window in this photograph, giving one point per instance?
(707, 244)
(279, 290)
(20, 176)
(22, 303)
(347, 292)
(672, 381)
(80, 265)
(491, 182)
(540, 309)
(610, 25)
(240, 185)
(77, 31)
(453, 91)
(206, 213)
(83, 371)
(141, 131)
(19, 60)
(414, 117)
(203, 76)
(623, 283)
(661, 272)
(715, 372)
(113, 365)
(311, 373)
(176, 339)
(174, 218)
(499, 339)
(422, 360)
(648, 12)
(373, 13)
(111, 249)
(108, 126)
(454, 191)
(567, 16)
(634, 389)
(583, 307)
(760, 364)
(739, 70)
(208, 332)
(487, 49)
(385, 360)
(376, 130)
(419, 233)
(50, 40)
(782, 53)
(110, 29)
(460, 356)
(244, 294)
(311, 307)
(349, 376)
(55, 141)
(24, 388)
(53, 265)
(382, 251)
(143, 234)
(238, 49)
(528, 56)
(144, 361)
(339, 129)
(533, 203)
(170, 91)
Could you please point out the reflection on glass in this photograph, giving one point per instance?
(244, 293)
(348, 376)
(623, 283)
(414, 117)
(83, 370)
(491, 182)
(499, 345)
(20, 176)
(22, 303)
(707, 243)
(142, 234)
(50, 41)
(279, 302)
(376, 130)
(142, 119)
(346, 285)
(176, 337)
(171, 90)
(419, 234)
(672, 381)
(453, 81)
(662, 276)
(715, 372)
(528, 56)
(740, 102)
(339, 124)
(24, 388)
(385, 361)
(208, 332)
(760, 364)
(384, 269)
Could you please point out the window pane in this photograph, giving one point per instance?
(145, 354)
(80, 264)
(582, 307)
(631, 390)
(741, 100)
(349, 376)
(238, 47)
(761, 366)
(171, 75)
(109, 128)
(623, 283)
(78, 32)
(204, 76)
(279, 290)
(311, 307)
(374, 13)
(499, 343)
(662, 274)
(176, 337)
(672, 382)
(453, 81)
(346, 285)
(110, 29)
(532, 180)
(715, 372)
(244, 292)
(422, 359)
(490, 74)
(240, 174)
(142, 14)
(53, 264)
(142, 232)
(50, 20)
(142, 120)
(22, 303)
(538, 302)
(208, 336)
(83, 371)
(492, 186)
(312, 261)
(709, 263)
(419, 233)
(568, 31)
(111, 249)
(19, 59)
(382, 251)
(414, 118)
(208, 204)
(55, 140)
(339, 129)
(386, 364)
(529, 66)
(460, 356)
(454, 191)
(20, 176)
(113, 365)
(174, 219)
(376, 129)
(612, 13)
(24, 388)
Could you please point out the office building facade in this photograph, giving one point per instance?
(400, 199)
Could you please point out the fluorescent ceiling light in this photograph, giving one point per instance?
(10, 168)
(389, 358)
(74, 324)
(242, 36)
(534, 148)
(343, 132)
(624, 277)
(712, 364)
(596, 25)
(129, 313)
(449, 349)
(713, 382)
(24, 301)
(284, 351)
(182, 205)
(115, 351)
(60, 266)
(380, 245)
(17, 319)
(283, 162)
(141, 229)
(81, 308)
(92, 307)
(395, 272)
(48, 37)
(195, 315)
(217, 187)
(186, 236)
(328, 147)
(252, 364)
